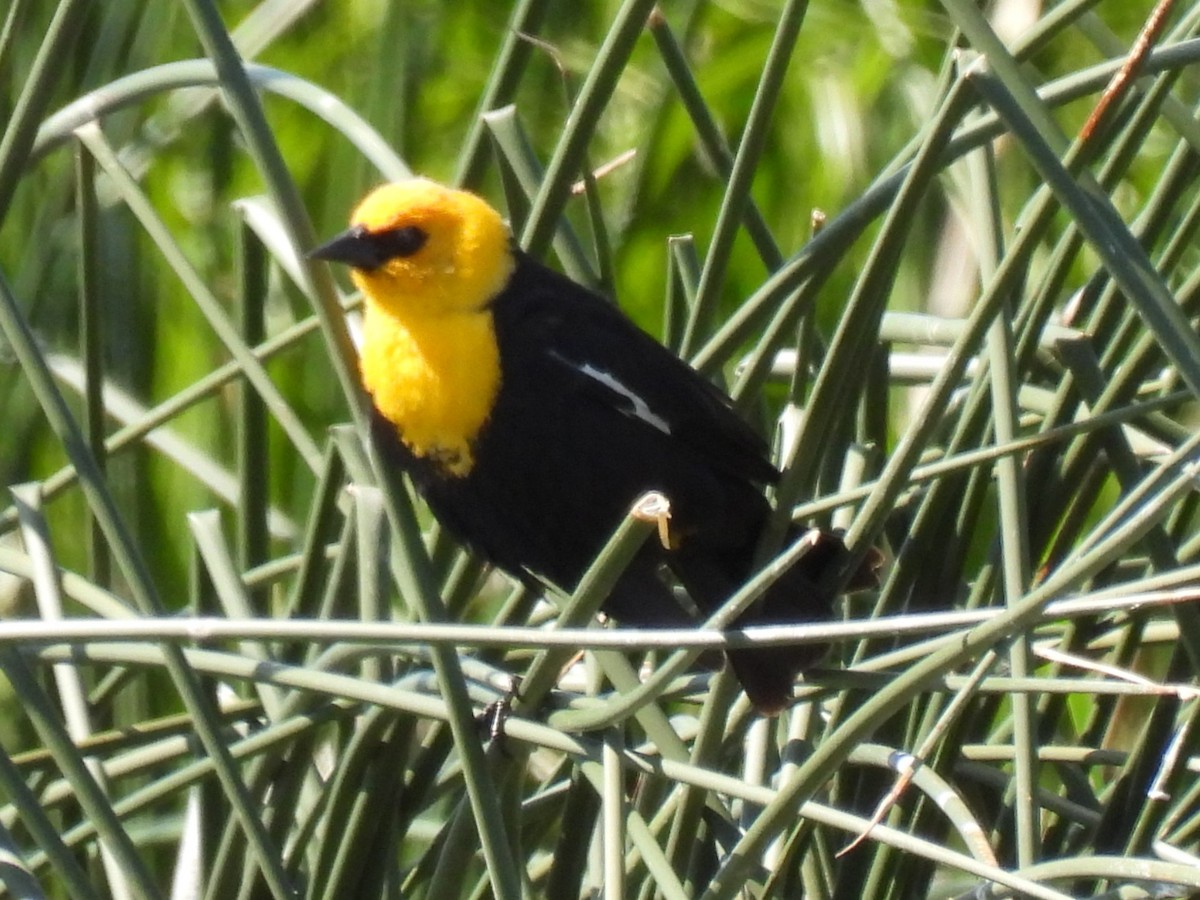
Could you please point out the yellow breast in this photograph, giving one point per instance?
(435, 378)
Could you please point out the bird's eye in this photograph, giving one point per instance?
(404, 241)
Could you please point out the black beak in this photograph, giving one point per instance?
(355, 248)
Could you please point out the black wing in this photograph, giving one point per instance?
(588, 343)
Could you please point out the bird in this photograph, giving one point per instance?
(531, 413)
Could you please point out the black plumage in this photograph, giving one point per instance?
(592, 413)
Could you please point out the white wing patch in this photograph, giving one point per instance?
(634, 405)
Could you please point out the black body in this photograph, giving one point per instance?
(564, 455)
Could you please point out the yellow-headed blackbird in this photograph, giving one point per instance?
(531, 414)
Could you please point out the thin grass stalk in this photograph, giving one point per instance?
(1174, 112)
(371, 545)
(230, 667)
(516, 816)
(19, 882)
(852, 824)
(147, 84)
(1136, 595)
(594, 586)
(1158, 490)
(567, 162)
(1112, 868)
(757, 749)
(38, 88)
(158, 416)
(136, 573)
(294, 796)
(1158, 220)
(161, 789)
(412, 574)
(512, 184)
(936, 735)
(463, 581)
(708, 132)
(859, 324)
(518, 157)
(1132, 810)
(321, 530)
(72, 694)
(502, 84)
(569, 857)
(640, 835)
(942, 528)
(286, 768)
(227, 864)
(120, 761)
(612, 814)
(451, 859)
(898, 469)
(984, 40)
(787, 866)
(91, 345)
(741, 172)
(58, 128)
(1182, 233)
(443, 553)
(1136, 508)
(229, 590)
(681, 845)
(601, 241)
(625, 679)
(1137, 363)
(140, 205)
(1124, 464)
(1179, 828)
(1170, 777)
(1128, 363)
(661, 878)
(873, 430)
(1076, 814)
(1015, 573)
(18, 11)
(46, 834)
(247, 113)
(1179, 173)
(815, 872)
(936, 789)
(683, 273)
(748, 386)
(278, 770)
(253, 457)
(1050, 24)
(360, 817)
(445, 865)
(842, 230)
(159, 437)
(159, 740)
(1124, 257)
(136, 878)
(634, 698)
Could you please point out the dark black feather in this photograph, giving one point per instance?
(565, 454)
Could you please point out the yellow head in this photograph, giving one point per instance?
(429, 260)
(419, 249)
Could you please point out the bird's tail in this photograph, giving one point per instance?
(768, 673)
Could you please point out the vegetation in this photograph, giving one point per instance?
(225, 646)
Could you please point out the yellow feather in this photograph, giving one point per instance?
(429, 356)
(435, 379)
